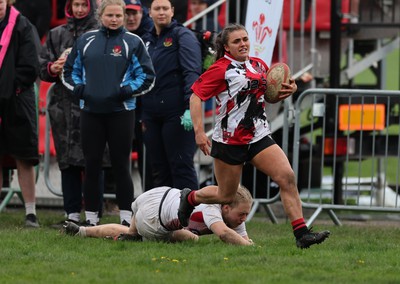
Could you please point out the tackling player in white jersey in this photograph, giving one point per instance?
(155, 217)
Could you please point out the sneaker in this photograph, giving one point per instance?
(311, 238)
(88, 224)
(185, 209)
(128, 237)
(125, 223)
(59, 225)
(70, 228)
(31, 221)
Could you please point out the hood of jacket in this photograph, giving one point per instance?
(80, 24)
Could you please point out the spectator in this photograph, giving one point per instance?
(106, 70)
(18, 119)
(198, 6)
(180, 9)
(139, 22)
(64, 113)
(137, 18)
(168, 132)
(155, 218)
(241, 132)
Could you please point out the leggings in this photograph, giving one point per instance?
(117, 131)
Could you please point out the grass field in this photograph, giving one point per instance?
(353, 254)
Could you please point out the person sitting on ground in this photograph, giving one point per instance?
(161, 204)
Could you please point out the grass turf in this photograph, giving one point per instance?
(353, 254)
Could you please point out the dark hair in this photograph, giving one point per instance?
(223, 37)
(172, 4)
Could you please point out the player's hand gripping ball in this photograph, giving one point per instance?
(276, 75)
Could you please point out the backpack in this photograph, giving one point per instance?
(206, 40)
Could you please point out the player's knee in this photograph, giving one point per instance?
(286, 179)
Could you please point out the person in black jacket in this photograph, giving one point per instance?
(106, 69)
(168, 132)
(18, 120)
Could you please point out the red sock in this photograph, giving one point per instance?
(299, 227)
(192, 198)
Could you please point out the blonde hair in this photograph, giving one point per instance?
(242, 196)
(106, 3)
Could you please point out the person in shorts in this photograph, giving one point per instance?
(155, 219)
(19, 68)
(241, 133)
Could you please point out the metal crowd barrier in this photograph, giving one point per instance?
(346, 148)
(47, 155)
(46, 165)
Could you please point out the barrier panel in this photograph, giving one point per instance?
(352, 150)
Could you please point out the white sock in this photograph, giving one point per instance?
(82, 232)
(92, 217)
(125, 215)
(74, 216)
(30, 208)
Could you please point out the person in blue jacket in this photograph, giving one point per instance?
(167, 126)
(106, 69)
(139, 22)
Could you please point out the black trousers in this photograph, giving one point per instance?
(117, 130)
(171, 150)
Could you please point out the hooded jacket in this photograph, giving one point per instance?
(19, 67)
(62, 37)
(64, 113)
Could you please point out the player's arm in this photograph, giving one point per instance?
(196, 112)
(227, 235)
(183, 235)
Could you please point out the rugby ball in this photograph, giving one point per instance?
(66, 52)
(276, 75)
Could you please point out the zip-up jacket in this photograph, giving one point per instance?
(108, 63)
(176, 57)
